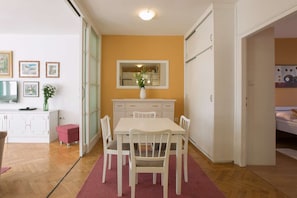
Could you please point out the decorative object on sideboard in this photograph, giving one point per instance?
(6, 64)
(140, 80)
(31, 89)
(52, 69)
(142, 94)
(29, 69)
(49, 91)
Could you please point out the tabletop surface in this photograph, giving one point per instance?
(147, 124)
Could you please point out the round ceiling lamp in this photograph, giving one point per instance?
(146, 14)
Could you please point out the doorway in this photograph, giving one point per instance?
(260, 91)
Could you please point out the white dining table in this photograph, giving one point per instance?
(121, 131)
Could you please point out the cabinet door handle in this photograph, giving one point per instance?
(210, 37)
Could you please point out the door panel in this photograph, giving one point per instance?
(260, 99)
(199, 82)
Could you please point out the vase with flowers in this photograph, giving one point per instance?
(140, 80)
(48, 92)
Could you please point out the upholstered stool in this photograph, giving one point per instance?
(68, 133)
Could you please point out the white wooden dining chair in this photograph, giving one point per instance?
(110, 145)
(184, 122)
(146, 114)
(144, 158)
(140, 114)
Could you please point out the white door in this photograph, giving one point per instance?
(199, 107)
(260, 135)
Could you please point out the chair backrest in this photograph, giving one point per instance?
(184, 122)
(106, 132)
(139, 114)
(150, 146)
(3, 134)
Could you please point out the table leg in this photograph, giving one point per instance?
(119, 164)
(178, 164)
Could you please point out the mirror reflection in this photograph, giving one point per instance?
(154, 73)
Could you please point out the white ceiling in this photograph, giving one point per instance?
(173, 17)
(117, 17)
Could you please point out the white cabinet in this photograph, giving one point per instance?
(125, 107)
(208, 101)
(3, 123)
(200, 38)
(29, 126)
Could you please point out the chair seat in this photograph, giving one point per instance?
(113, 146)
(143, 163)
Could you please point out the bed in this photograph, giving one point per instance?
(286, 119)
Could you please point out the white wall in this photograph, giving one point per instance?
(55, 48)
(253, 14)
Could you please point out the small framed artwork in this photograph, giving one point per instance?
(5, 64)
(31, 89)
(29, 69)
(52, 69)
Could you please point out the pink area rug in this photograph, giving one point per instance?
(4, 169)
(199, 184)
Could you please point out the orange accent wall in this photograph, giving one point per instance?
(115, 48)
(285, 53)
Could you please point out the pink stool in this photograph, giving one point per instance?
(68, 133)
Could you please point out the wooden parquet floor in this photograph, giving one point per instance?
(36, 169)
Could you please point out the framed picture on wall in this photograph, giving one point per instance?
(6, 64)
(31, 89)
(29, 69)
(52, 69)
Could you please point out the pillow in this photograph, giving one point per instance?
(285, 115)
(293, 113)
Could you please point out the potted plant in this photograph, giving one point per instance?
(48, 92)
(140, 80)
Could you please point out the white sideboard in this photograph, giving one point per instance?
(34, 126)
(125, 107)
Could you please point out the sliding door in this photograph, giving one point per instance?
(91, 89)
(199, 106)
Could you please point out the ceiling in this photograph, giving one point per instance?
(113, 17)
(173, 17)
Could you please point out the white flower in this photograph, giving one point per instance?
(48, 91)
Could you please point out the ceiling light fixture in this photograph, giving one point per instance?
(146, 14)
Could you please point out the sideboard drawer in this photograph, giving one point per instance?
(154, 106)
(133, 106)
(119, 106)
(168, 106)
